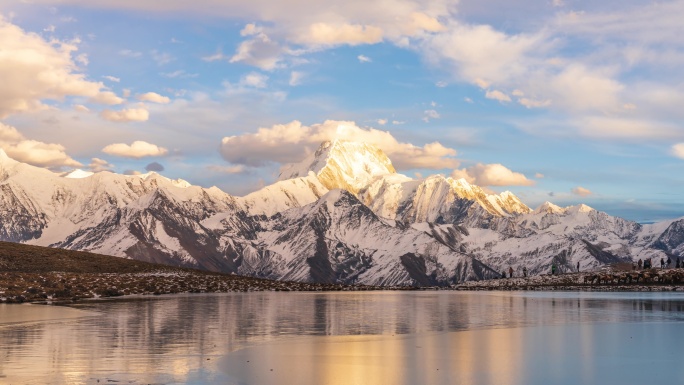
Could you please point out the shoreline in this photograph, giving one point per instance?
(20, 287)
(65, 287)
(40, 274)
(607, 279)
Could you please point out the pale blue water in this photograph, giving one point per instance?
(350, 338)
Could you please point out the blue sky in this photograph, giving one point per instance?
(566, 101)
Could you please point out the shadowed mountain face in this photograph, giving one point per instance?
(342, 215)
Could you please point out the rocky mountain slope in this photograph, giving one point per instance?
(343, 215)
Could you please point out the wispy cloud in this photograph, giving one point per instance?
(130, 53)
(179, 74)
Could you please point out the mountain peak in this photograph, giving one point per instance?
(580, 208)
(78, 174)
(550, 208)
(342, 164)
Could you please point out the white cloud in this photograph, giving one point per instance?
(154, 98)
(497, 95)
(605, 127)
(162, 58)
(40, 154)
(238, 169)
(260, 51)
(322, 33)
(381, 122)
(97, 165)
(492, 175)
(678, 150)
(34, 152)
(481, 83)
(33, 69)
(137, 150)
(126, 115)
(250, 29)
(179, 74)
(422, 22)
(538, 58)
(539, 175)
(468, 100)
(9, 134)
(82, 59)
(215, 57)
(130, 53)
(254, 79)
(581, 191)
(430, 114)
(309, 26)
(528, 64)
(296, 78)
(479, 53)
(287, 143)
(531, 103)
(364, 59)
(581, 88)
(106, 97)
(441, 84)
(112, 79)
(81, 108)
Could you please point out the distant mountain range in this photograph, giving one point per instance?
(343, 215)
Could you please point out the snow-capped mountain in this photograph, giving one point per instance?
(438, 199)
(341, 215)
(341, 164)
(147, 217)
(339, 239)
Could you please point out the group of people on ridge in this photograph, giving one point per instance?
(646, 263)
(554, 270)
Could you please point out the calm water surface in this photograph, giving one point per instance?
(389, 338)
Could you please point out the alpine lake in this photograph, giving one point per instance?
(335, 338)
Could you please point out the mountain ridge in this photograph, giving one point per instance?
(342, 215)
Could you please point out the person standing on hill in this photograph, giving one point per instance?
(669, 262)
(639, 263)
(662, 263)
(510, 271)
(525, 270)
(578, 266)
(553, 269)
(677, 265)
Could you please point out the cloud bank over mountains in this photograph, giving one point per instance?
(286, 143)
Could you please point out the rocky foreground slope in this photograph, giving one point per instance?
(343, 215)
(33, 273)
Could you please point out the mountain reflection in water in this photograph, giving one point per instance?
(348, 338)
